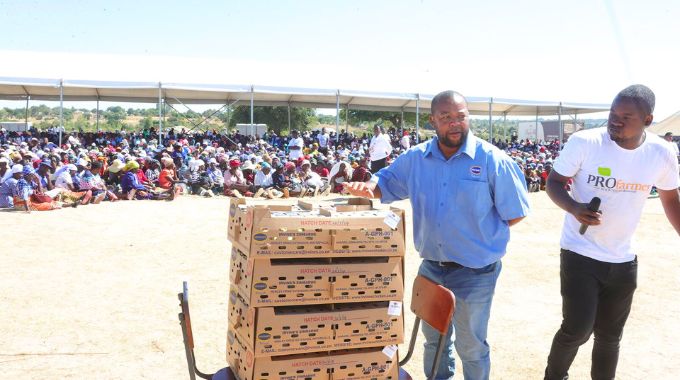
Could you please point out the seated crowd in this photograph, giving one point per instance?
(37, 175)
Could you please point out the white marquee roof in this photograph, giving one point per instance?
(148, 92)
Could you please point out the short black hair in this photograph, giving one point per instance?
(447, 95)
(641, 95)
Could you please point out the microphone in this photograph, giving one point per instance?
(593, 206)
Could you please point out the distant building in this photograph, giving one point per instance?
(547, 130)
(15, 126)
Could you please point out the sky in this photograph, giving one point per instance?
(571, 51)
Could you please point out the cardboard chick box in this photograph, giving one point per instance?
(357, 364)
(280, 282)
(317, 230)
(283, 330)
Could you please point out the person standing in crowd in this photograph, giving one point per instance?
(405, 141)
(323, 138)
(295, 146)
(379, 149)
(669, 137)
(598, 269)
(465, 194)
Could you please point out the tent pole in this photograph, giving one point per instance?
(505, 126)
(61, 109)
(97, 114)
(490, 120)
(418, 118)
(160, 114)
(536, 125)
(401, 126)
(252, 107)
(559, 124)
(337, 115)
(288, 117)
(28, 97)
(347, 118)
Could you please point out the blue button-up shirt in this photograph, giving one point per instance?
(461, 206)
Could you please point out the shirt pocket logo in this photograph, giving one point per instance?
(476, 170)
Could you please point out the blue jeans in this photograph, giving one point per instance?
(474, 289)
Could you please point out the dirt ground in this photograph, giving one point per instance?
(92, 293)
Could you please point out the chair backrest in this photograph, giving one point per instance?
(433, 303)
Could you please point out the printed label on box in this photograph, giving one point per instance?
(394, 308)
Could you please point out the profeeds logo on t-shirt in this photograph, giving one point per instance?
(604, 180)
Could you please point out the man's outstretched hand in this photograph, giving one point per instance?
(362, 189)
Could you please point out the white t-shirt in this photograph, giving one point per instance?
(323, 139)
(64, 180)
(294, 154)
(675, 147)
(264, 180)
(622, 179)
(380, 147)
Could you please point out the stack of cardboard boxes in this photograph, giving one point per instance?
(316, 291)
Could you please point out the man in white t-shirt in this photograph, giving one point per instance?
(618, 164)
(669, 137)
(323, 138)
(379, 148)
(295, 146)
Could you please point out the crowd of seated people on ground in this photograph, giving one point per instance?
(37, 174)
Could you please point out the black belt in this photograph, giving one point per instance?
(447, 264)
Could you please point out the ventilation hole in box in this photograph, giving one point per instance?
(321, 326)
(286, 345)
(286, 327)
(378, 246)
(264, 296)
(379, 229)
(347, 340)
(345, 293)
(317, 247)
(317, 277)
(264, 278)
(267, 329)
(374, 364)
(282, 278)
(378, 337)
(345, 276)
(308, 286)
(393, 336)
(362, 247)
(359, 365)
(264, 374)
(355, 238)
(320, 342)
(362, 276)
(283, 373)
(362, 292)
(364, 322)
(378, 275)
(268, 346)
(303, 344)
(395, 246)
(311, 335)
(363, 338)
(291, 286)
(345, 247)
(282, 247)
(371, 330)
(353, 284)
(317, 294)
(300, 295)
(393, 291)
(276, 337)
(294, 335)
(351, 375)
(282, 296)
(343, 367)
(272, 286)
(355, 331)
(317, 370)
(377, 291)
(300, 277)
(348, 323)
(303, 327)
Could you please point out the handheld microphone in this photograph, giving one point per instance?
(593, 206)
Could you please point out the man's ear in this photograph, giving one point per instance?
(648, 120)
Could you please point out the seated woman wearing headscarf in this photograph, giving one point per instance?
(64, 179)
(167, 179)
(130, 185)
(24, 195)
(340, 177)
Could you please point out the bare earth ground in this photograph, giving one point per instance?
(91, 293)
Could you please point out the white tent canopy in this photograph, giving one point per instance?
(254, 95)
(148, 92)
(669, 124)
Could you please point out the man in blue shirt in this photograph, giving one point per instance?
(465, 195)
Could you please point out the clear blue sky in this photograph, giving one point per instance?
(578, 50)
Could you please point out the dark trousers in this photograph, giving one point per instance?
(596, 298)
(378, 164)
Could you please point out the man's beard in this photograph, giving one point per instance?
(444, 139)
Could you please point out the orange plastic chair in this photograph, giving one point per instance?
(185, 322)
(435, 305)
